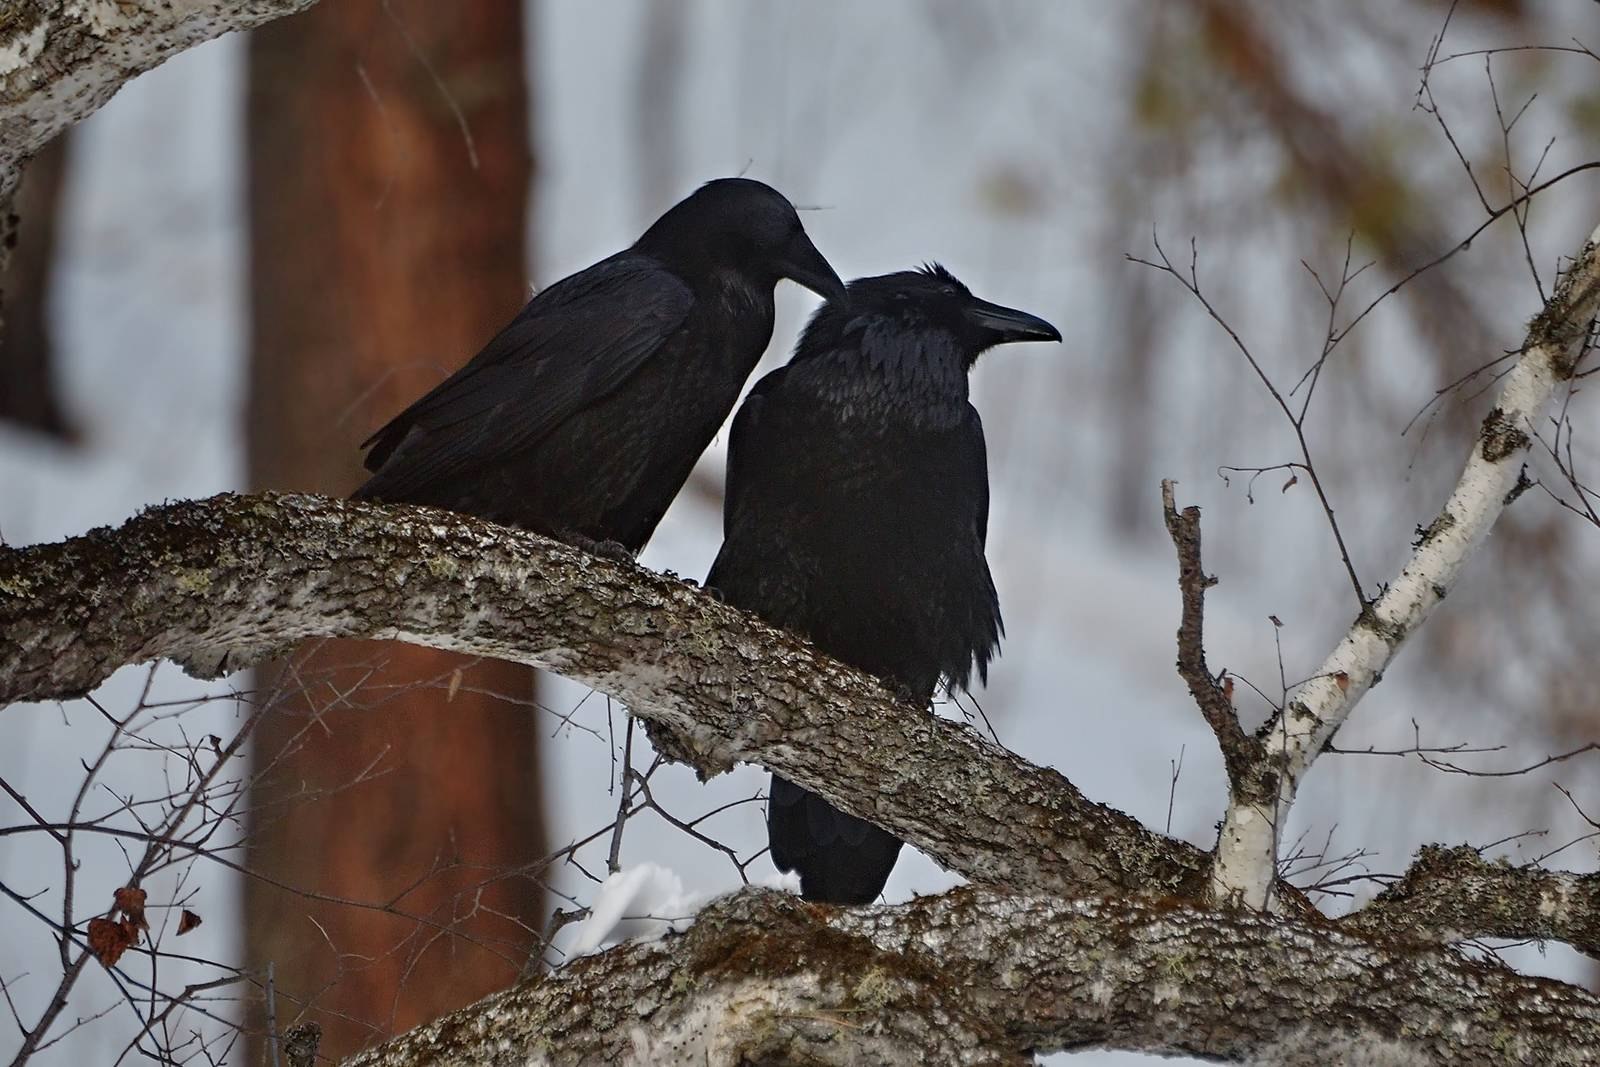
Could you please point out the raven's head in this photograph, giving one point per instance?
(927, 311)
(745, 226)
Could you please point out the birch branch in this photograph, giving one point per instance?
(1246, 864)
(978, 977)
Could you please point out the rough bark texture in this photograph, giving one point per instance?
(389, 166)
(1450, 890)
(224, 583)
(978, 977)
(220, 583)
(61, 60)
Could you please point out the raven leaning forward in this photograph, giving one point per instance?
(856, 511)
(583, 417)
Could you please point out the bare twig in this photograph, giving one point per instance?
(1239, 751)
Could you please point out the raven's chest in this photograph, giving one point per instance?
(739, 315)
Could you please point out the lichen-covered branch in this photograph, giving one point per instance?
(1452, 893)
(979, 977)
(224, 583)
(1246, 865)
(60, 61)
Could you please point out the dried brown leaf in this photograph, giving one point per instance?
(130, 901)
(108, 940)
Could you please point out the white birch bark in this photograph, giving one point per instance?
(1247, 849)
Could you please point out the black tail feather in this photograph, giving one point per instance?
(840, 859)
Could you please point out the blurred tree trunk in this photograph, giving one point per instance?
(389, 167)
(27, 386)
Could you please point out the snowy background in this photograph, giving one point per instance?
(907, 150)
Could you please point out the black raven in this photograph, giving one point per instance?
(856, 511)
(583, 417)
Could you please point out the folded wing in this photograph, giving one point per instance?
(573, 343)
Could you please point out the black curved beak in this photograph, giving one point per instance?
(1006, 325)
(803, 264)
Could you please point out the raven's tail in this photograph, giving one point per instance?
(840, 859)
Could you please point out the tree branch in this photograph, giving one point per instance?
(1452, 893)
(978, 977)
(221, 584)
(61, 62)
(1240, 752)
(1246, 865)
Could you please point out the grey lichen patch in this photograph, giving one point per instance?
(442, 567)
(17, 585)
(192, 582)
(1501, 436)
(1392, 634)
(1557, 324)
(1438, 526)
(23, 32)
(874, 991)
(19, 16)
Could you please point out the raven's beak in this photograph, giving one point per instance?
(802, 263)
(1008, 324)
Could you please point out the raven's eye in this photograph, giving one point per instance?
(947, 290)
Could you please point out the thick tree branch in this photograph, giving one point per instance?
(223, 583)
(1453, 893)
(1246, 865)
(220, 583)
(978, 977)
(60, 62)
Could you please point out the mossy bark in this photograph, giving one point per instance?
(979, 977)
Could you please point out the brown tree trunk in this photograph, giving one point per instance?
(27, 385)
(389, 166)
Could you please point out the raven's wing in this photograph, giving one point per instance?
(980, 625)
(571, 345)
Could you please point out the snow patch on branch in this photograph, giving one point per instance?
(647, 902)
(640, 903)
(1353, 1050)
